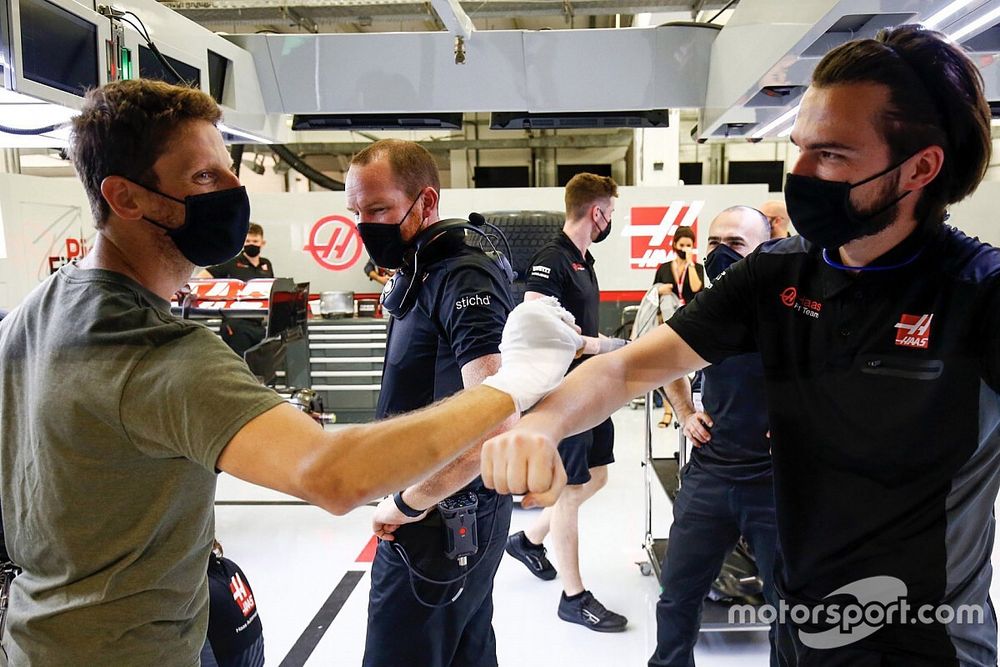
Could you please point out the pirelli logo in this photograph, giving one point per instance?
(540, 271)
(914, 331)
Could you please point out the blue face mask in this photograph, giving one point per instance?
(720, 259)
(215, 225)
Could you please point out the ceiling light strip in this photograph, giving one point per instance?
(975, 25)
(783, 118)
(940, 16)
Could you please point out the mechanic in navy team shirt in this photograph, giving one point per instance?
(878, 330)
(727, 488)
(444, 334)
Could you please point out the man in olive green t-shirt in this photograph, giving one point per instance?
(111, 437)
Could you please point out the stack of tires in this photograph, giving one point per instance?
(526, 232)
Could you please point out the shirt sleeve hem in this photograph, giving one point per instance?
(226, 434)
(689, 336)
(476, 352)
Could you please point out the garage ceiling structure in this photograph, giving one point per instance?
(314, 16)
(538, 64)
(745, 78)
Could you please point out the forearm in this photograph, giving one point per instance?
(597, 388)
(679, 396)
(364, 462)
(693, 279)
(452, 477)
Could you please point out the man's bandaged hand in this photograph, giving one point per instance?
(538, 344)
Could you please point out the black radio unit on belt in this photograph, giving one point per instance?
(461, 540)
(458, 512)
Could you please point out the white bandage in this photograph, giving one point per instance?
(538, 344)
(610, 344)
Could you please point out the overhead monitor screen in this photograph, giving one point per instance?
(217, 68)
(150, 67)
(58, 48)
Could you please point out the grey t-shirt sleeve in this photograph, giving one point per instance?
(188, 398)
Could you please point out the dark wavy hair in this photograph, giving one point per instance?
(935, 98)
(125, 126)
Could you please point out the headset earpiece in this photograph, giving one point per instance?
(400, 292)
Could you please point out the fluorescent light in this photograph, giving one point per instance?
(940, 16)
(783, 118)
(975, 25)
(246, 135)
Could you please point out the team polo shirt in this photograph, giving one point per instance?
(733, 395)
(240, 268)
(461, 308)
(560, 270)
(883, 411)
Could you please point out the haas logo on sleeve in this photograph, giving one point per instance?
(242, 595)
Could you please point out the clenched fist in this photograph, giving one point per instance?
(524, 463)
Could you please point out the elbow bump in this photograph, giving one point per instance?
(326, 491)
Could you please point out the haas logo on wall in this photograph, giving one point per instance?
(334, 243)
(652, 231)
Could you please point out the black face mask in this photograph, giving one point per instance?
(251, 250)
(681, 254)
(215, 224)
(720, 259)
(822, 212)
(385, 242)
(604, 233)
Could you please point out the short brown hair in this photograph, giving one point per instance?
(684, 233)
(935, 98)
(254, 228)
(125, 126)
(412, 164)
(584, 189)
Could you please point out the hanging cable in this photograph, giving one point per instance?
(301, 166)
(26, 131)
(719, 13)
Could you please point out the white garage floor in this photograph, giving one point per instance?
(303, 562)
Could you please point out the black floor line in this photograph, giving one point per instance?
(311, 636)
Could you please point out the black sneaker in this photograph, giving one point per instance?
(587, 611)
(532, 555)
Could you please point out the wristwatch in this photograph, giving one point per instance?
(403, 507)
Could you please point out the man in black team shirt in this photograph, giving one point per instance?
(727, 488)
(443, 335)
(242, 333)
(248, 264)
(878, 317)
(564, 269)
